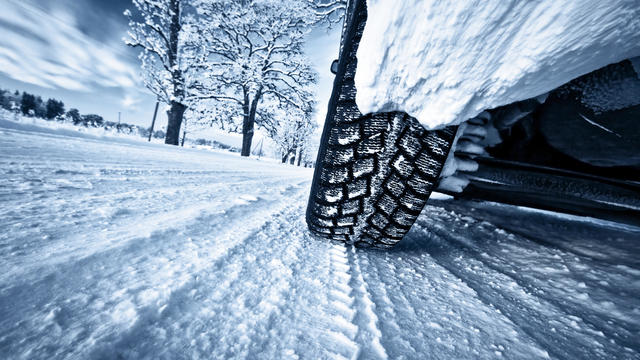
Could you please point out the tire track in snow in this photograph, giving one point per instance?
(542, 321)
(567, 321)
(258, 310)
(439, 315)
(317, 313)
(515, 279)
(368, 336)
(467, 270)
(125, 294)
(587, 286)
(393, 337)
(242, 313)
(413, 308)
(427, 297)
(97, 206)
(121, 233)
(341, 332)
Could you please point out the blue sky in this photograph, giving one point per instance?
(72, 50)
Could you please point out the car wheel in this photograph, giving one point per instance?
(374, 172)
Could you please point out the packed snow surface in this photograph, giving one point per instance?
(129, 250)
(444, 62)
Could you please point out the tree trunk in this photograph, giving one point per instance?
(299, 157)
(184, 134)
(294, 153)
(177, 109)
(249, 121)
(247, 127)
(175, 115)
(284, 158)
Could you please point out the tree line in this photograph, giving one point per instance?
(234, 64)
(31, 105)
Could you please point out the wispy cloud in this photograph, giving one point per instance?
(46, 48)
(130, 101)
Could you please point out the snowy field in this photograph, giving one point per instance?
(143, 251)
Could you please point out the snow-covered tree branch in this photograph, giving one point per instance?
(251, 53)
(329, 11)
(290, 128)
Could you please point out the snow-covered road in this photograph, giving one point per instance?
(143, 251)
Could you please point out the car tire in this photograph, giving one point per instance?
(374, 172)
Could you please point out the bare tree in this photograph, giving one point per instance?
(158, 32)
(253, 51)
(290, 128)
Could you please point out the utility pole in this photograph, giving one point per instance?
(118, 117)
(153, 122)
(184, 132)
(259, 151)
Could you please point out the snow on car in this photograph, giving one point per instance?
(444, 62)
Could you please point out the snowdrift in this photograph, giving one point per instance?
(444, 62)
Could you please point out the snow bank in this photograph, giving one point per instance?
(14, 121)
(10, 120)
(445, 61)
